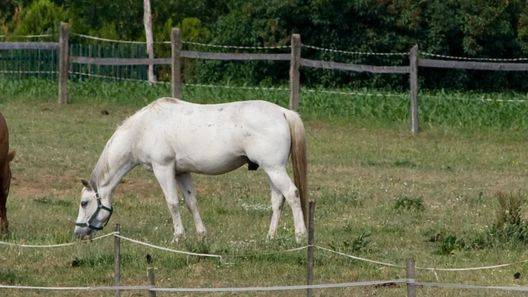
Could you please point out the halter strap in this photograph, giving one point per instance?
(94, 215)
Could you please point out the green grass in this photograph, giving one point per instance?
(380, 193)
(469, 110)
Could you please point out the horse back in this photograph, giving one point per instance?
(214, 138)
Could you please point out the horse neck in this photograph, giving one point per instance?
(113, 164)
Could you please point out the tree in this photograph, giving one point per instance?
(147, 20)
(42, 17)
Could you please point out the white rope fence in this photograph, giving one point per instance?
(282, 288)
(101, 288)
(107, 39)
(184, 42)
(273, 288)
(356, 53)
(166, 249)
(211, 290)
(55, 245)
(152, 288)
(234, 46)
(118, 235)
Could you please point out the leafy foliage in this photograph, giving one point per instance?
(42, 17)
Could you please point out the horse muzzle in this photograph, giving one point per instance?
(82, 232)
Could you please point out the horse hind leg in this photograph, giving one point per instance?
(280, 180)
(277, 202)
(186, 187)
(165, 176)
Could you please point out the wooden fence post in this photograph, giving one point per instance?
(63, 63)
(151, 281)
(413, 81)
(117, 259)
(411, 277)
(176, 63)
(310, 251)
(295, 61)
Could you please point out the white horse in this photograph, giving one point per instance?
(174, 138)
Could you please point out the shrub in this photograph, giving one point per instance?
(43, 16)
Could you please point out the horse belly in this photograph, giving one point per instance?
(208, 164)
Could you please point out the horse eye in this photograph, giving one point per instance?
(84, 203)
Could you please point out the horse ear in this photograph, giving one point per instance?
(11, 155)
(93, 186)
(86, 184)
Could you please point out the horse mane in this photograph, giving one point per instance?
(102, 167)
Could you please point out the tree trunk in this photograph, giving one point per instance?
(147, 20)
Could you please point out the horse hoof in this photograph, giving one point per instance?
(4, 229)
(300, 237)
(178, 237)
(202, 235)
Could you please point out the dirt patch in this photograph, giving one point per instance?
(30, 188)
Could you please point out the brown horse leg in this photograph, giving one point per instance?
(4, 224)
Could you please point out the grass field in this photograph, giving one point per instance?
(380, 194)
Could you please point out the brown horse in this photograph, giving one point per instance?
(6, 156)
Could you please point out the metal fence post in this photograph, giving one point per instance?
(176, 63)
(294, 71)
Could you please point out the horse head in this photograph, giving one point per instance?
(93, 213)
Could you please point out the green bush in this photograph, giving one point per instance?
(42, 17)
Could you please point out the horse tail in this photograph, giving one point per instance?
(298, 156)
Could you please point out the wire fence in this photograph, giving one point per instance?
(41, 62)
(37, 61)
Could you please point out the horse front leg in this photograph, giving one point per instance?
(3, 218)
(186, 187)
(165, 176)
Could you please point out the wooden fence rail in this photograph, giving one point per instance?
(353, 67)
(294, 57)
(472, 65)
(29, 45)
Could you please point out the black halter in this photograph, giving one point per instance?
(90, 221)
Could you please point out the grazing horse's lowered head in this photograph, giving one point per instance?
(94, 214)
(6, 157)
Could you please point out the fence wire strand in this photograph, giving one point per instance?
(357, 53)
